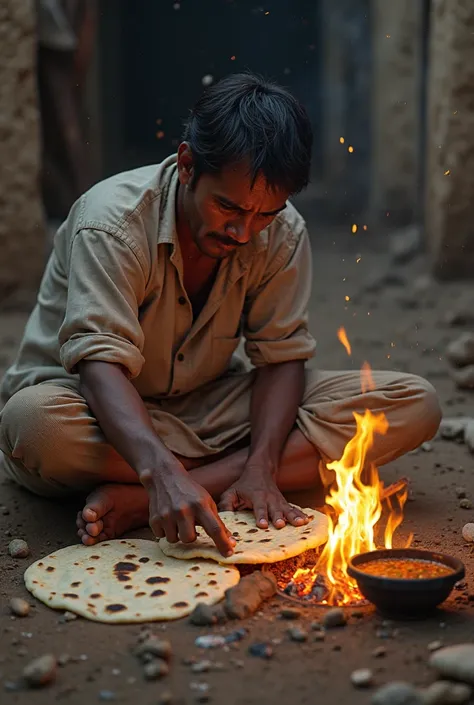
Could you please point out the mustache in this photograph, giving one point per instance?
(224, 240)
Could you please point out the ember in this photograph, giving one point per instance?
(353, 506)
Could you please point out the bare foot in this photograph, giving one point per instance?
(110, 511)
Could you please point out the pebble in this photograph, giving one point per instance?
(362, 678)
(468, 532)
(154, 647)
(461, 492)
(460, 352)
(41, 671)
(297, 634)
(19, 607)
(465, 504)
(435, 645)
(155, 669)
(201, 666)
(107, 695)
(453, 429)
(334, 617)
(446, 693)
(63, 659)
(261, 650)
(166, 698)
(397, 693)
(469, 434)
(17, 548)
(455, 662)
(290, 614)
(67, 617)
(427, 447)
(210, 641)
(202, 616)
(379, 652)
(319, 636)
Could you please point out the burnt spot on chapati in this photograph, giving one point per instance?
(180, 604)
(130, 556)
(71, 595)
(211, 573)
(143, 560)
(95, 596)
(95, 558)
(195, 567)
(241, 523)
(159, 563)
(235, 533)
(122, 570)
(158, 593)
(264, 540)
(154, 579)
(50, 569)
(202, 594)
(115, 607)
(40, 565)
(76, 584)
(128, 587)
(90, 570)
(308, 531)
(253, 531)
(212, 582)
(35, 582)
(227, 570)
(140, 594)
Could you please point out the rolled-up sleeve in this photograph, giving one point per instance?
(106, 282)
(276, 320)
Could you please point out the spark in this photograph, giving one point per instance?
(354, 229)
(341, 140)
(447, 172)
(358, 260)
(342, 336)
(350, 148)
(347, 298)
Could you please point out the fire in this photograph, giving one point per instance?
(341, 334)
(354, 506)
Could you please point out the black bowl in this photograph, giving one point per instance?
(405, 598)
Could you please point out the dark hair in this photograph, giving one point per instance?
(243, 117)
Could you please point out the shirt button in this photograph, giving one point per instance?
(182, 300)
(180, 357)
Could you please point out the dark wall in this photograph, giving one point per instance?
(153, 59)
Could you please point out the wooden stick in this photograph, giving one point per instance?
(394, 488)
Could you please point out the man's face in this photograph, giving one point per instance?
(224, 211)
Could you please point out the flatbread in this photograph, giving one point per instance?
(126, 581)
(255, 545)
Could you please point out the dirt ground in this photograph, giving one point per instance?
(400, 325)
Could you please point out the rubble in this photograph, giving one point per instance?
(19, 607)
(362, 678)
(446, 693)
(468, 532)
(17, 548)
(41, 671)
(455, 662)
(397, 693)
(334, 617)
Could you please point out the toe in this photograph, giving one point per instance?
(95, 528)
(97, 505)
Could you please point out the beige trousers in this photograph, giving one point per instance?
(53, 445)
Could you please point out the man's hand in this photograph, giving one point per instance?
(258, 491)
(178, 504)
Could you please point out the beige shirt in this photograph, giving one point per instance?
(113, 291)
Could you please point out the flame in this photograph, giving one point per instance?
(341, 334)
(354, 506)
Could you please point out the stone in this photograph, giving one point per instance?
(435, 645)
(453, 429)
(462, 314)
(362, 678)
(41, 671)
(427, 447)
(201, 666)
(166, 698)
(19, 607)
(464, 377)
(455, 662)
(446, 693)
(297, 634)
(461, 492)
(460, 352)
(465, 503)
(397, 693)
(203, 616)
(261, 650)
(156, 669)
(334, 617)
(468, 532)
(469, 434)
(290, 614)
(153, 647)
(107, 696)
(245, 598)
(379, 652)
(17, 548)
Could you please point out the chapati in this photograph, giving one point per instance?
(126, 580)
(255, 545)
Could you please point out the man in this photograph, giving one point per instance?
(126, 384)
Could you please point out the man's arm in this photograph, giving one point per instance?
(177, 503)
